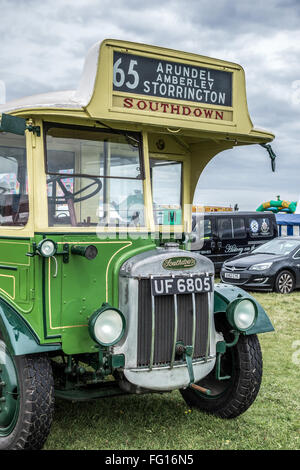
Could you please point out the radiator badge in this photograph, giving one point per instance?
(179, 263)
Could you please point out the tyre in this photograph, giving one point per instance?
(231, 397)
(284, 282)
(26, 400)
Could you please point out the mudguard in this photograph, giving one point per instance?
(224, 294)
(18, 335)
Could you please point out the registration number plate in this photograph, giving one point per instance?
(181, 285)
(232, 276)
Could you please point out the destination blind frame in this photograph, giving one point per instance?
(171, 80)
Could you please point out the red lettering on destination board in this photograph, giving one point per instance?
(164, 106)
(198, 112)
(128, 103)
(178, 109)
(142, 104)
(186, 110)
(208, 113)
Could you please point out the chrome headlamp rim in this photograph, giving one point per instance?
(93, 319)
(231, 310)
(40, 248)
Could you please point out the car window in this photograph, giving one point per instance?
(278, 246)
(231, 228)
(297, 255)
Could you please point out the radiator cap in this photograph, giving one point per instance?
(171, 246)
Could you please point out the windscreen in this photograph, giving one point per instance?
(94, 177)
(278, 246)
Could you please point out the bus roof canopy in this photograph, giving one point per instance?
(152, 86)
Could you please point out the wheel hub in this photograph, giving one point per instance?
(285, 283)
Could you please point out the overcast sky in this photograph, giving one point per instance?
(44, 44)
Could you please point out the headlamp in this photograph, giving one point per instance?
(260, 266)
(242, 314)
(107, 325)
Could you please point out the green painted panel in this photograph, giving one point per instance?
(16, 273)
(13, 252)
(74, 290)
(17, 333)
(225, 294)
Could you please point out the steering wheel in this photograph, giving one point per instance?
(68, 195)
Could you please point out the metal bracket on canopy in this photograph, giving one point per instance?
(272, 155)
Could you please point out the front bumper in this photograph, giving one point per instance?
(167, 378)
(256, 280)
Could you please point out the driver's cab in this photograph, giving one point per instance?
(96, 178)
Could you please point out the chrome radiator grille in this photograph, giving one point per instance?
(167, 319)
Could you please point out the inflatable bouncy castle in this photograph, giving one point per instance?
(278, 206)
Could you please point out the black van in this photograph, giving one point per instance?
(222, 235)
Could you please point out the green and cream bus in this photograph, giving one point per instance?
(100, 294)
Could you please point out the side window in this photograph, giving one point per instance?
(207, 229)
(224, 229)
(260, 227)
(239, 229)
(231, 228)
(166, 180)
(14, 208)
(203, 228)
(297, 255)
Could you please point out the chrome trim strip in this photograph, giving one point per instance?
(194, 322)
(176, 366)
(153, 330)
(210, 313)
(175, 330)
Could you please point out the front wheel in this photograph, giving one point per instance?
(231, 397)
(26, 400)
(284, 282)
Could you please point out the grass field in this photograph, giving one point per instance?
(165, 422)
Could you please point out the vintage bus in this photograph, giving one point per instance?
(99, 292)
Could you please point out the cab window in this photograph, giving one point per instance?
(94, 177)
(166, 180)
(14, 210)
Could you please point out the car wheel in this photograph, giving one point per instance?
(285, 282)
(231, 397)
(26, 400)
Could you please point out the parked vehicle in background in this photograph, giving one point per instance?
(222, 235)
(273, 266)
